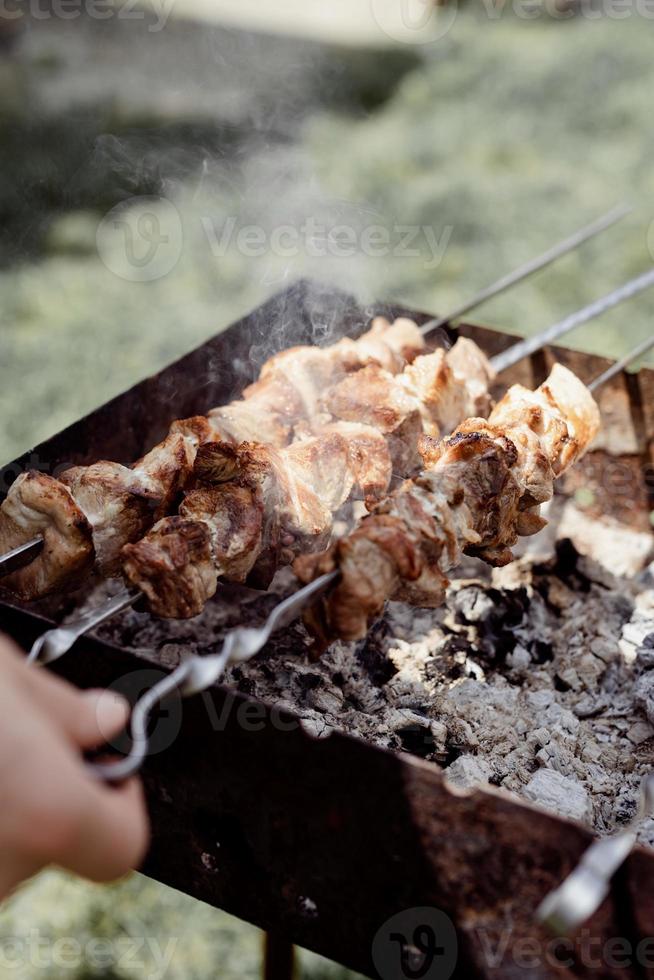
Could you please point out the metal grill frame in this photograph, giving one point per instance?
(322, 840)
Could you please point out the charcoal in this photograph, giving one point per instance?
(645, 695)
(537, 678)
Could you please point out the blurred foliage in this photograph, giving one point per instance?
(510, 133)
(513, 134)
(58, 927)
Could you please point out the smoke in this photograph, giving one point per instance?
(218, 126)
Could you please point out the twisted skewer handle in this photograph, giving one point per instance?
(198, 673)
(56, 642)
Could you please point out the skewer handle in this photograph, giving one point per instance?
(580, 895)
(56, 642)
(199, 673)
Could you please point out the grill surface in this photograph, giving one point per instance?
(324, 840)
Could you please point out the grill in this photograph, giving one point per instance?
(321, 841)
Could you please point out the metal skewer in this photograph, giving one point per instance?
(20, 556)
(199, 672)
(620, 365)
(583, 891)
(26, 553)
(56, 642)
(529, 268)
(531, 344)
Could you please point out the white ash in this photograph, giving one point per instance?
(564, 795)
(537, 678)
(469, 771)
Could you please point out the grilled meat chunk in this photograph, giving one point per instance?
(369, 457)
(374, 398)
(117, 503)
(290, 383)
(37, 505)
(120, 503)
(478, 490)
(258, 511)
(261, 508)
(428, 396)
(379, 419)
(173, 566)
(450, 386)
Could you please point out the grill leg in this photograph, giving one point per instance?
(279, 957)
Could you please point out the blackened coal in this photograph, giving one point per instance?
(537, 678)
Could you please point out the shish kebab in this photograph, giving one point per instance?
(251, 506)
(479, 490)
(121, 502)
(376, 418)
(93, 512)
(253, 509)
(532, 438)
(55, 642)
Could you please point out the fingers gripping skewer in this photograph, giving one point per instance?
(529, 268)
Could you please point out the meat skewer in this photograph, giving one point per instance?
(135, 505)
(94, 511)
(91, 512)
(198, 673)
(54, 643)
(255, 508)
(98, 509)
(479, 489)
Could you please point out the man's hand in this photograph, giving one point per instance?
(51, 810)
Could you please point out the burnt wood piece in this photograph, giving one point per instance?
(322, 841)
